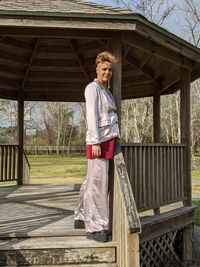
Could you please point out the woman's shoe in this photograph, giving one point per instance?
(99, 236)
(78, 224)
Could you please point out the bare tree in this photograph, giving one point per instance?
(191, 23)
(157, 11)
(137, 117)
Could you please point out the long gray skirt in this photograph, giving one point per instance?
(93, 205)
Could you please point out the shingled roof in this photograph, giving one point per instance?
(59, 6)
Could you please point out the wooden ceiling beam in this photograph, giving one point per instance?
(195, 75)
(142, 90)
(18, 44)
(137, 80)
(56, 74)
(136, 63)
(11, 70)
(29, 64)
(54, 96)
(146, 57)
(9, 83)
(54, 86)
(52, 32)
(78, 57)
(8, 94)
(169, 81)
(55, 63)
(160, 51)
(9, 57)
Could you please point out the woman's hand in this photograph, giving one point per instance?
(96, 151)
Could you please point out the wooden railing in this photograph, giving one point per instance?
(157, 173)
(126, 223)
(9, 164)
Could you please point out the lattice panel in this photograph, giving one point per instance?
(161, 251)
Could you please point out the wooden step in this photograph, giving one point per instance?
(79, 265)
(53, 251)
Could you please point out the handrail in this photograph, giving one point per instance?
(26, 169)
(25, 156)
(126, 223)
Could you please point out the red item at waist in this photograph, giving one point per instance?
(107, 150)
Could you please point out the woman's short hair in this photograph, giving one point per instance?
(105, 56)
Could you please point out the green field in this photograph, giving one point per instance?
(197, 211)
(57, 169)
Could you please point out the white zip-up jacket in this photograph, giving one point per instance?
(101, 116)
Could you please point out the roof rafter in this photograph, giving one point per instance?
(29, 64)
(139, 65)
(78, 57)
(148, 46)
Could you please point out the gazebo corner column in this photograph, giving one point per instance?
(20, 137)
(156, 123)
(115, 47)
(188, 232)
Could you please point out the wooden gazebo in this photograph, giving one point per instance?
(47, 53)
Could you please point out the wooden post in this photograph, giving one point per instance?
(186, 130)
(156, 115)
(116, 84)
(188, 243)
(156, 124)
(20, 136)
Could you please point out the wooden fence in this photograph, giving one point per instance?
(157, 173)
(46, 149)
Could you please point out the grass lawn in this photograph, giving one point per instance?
(197, 211)
(57, 169)
(196, 174)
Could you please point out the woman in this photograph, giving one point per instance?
(102, 130)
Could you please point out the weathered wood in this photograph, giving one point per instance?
(149, 46)
(29, 64)
(188, 243)
(8, 167)
(57, 32)
(140, 65)
(20, 136)
(156, 114)
(172, 79)
(174, 44)
(156, 174)
(154, 226)
(186, 130)
(116, 87)
(126, 224)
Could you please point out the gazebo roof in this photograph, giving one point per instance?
(60, 7)
(48, 48)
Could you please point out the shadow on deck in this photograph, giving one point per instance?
(36, 229)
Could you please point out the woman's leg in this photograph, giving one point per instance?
(95, 197)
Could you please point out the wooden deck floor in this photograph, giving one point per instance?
(44, 210)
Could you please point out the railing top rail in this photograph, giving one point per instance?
(153, 144)
(27, 161)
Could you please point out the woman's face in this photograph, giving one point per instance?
(104, 72)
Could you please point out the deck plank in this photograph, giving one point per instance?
(44, 210)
